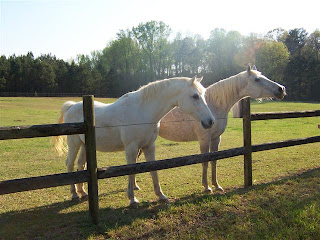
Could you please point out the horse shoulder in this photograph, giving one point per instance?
(219, 127)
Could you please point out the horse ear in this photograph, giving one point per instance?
(254, 68)
(249, 69)
(200, 79)
(191, 81)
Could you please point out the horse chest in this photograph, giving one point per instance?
(218, 128)
(214, 132)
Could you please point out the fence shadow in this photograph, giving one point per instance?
(77, 225)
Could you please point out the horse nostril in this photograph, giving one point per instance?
(207, 124)
(280, 89)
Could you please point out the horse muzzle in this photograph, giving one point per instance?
(207, 123)
(281, 93)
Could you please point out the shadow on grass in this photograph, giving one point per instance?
(54, 222)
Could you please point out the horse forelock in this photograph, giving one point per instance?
(199, 87)
(257, 73)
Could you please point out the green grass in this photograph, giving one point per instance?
(283, 204)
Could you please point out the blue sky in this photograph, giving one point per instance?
(66, 28)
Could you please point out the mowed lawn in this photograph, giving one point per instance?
(283, 204)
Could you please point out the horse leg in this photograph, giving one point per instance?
(82, 161)
(214, 147)
(131, 156)
(204, 148)
(149, 153)
(73, 145)
(135, 185)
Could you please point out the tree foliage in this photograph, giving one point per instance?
(272, 58)
(148, 52)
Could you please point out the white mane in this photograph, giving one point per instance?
(153, 89)
(224, 91)
(156, 88)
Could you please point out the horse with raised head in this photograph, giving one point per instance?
(132, 123)
(220, 97)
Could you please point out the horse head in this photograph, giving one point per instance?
(259, 86)
(192, 101)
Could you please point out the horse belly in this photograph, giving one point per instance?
(108, 140)
(177, 131)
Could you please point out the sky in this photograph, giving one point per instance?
(66, 28)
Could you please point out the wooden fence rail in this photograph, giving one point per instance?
(287, 143)
(283, 115)
(55, 180)
(92, 174)
(48, 181)
(27, 184)
(48, 130)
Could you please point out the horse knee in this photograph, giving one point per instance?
(70, 165)
(205, 165)
(82, 159)
(72, 154)
(81, 166)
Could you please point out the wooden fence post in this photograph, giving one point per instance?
(90, 142)
(247, 142)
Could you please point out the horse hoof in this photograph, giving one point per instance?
(208, 190)
(75, 199)
(134, 205)
(220, 189)
(84, 198)
(164, 200)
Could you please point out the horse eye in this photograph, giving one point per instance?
(195, 97)
(257, 79)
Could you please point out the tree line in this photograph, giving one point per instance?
(149, 52)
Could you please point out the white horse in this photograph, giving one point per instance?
(220, 96)
(132, 123)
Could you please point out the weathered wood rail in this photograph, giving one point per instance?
(283, 115)
(92, 174)
(27, 184)
(19, 132)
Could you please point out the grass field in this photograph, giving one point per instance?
(283, 204)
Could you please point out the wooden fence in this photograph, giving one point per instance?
(248, 117)
(92, 174)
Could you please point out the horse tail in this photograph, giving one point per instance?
(60, 141)
(139, 153)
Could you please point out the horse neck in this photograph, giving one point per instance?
(162, 102)
(221, 96)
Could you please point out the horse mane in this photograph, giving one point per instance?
(153, 89)
(222, 92)
(157, 88)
